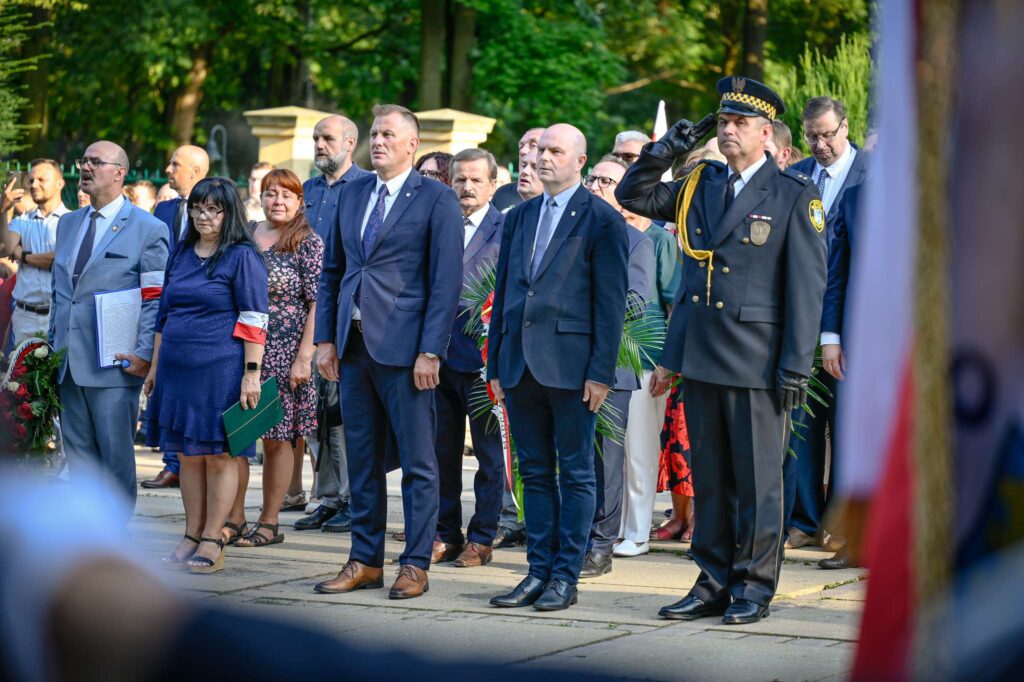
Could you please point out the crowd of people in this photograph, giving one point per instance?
(348, 290)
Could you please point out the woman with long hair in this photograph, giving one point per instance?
(210, 333)
(435, 166)
(294, 257)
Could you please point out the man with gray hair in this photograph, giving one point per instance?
(628, 144)
(474, 179)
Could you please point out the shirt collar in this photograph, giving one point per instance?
(36, 214)
(113, 208)
(749, 171)
(837, 167)
(562, 198)
(395, 183)
(477, 217)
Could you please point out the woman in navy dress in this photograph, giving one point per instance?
(210, 333)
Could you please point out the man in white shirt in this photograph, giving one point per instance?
(30, 240)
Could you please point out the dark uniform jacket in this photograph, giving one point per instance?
(768, 279)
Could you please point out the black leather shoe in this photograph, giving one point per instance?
(341, 523)
(692, 608)
(506, 537)
(840, 560)
(596, 564)
(319, 516)
(743, 611)
(558, 596)
(525, 593)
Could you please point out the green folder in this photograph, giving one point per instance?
(245, 427)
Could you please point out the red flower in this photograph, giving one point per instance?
(19, 372)
(483, 352)
(22, 393)
(20, 431)
(485, 311)
(25, 411)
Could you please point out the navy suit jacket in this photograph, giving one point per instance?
(464, 355)
(565, 324)
(165, 211)
(858, 171)
(839, 262)
(409, 283)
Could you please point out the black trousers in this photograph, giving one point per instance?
(738, 438)
(610, 466)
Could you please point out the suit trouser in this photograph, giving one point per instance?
(609, 468)
(554, 431)
(98, 428)
(737, 441)
(374, 398)
(332, 488)
(804, 471)
(643, 450)
(453, 406)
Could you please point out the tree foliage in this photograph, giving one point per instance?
(15, 29)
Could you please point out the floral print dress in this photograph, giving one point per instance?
(291, 283)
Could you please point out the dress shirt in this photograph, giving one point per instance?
(38, 235)
(561, 201)
(475, 219)
(835, 176)
(394, 187)
(321, 198)
(745, 175)
(103, 223)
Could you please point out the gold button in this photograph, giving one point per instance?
(698, 231)
(725, 270)
(746, 240)
(719, 305)
(695, 298)
(702, 264)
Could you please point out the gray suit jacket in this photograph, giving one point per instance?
(641, 273)
(132, 253)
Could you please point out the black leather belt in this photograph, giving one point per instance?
(38, 310)
(357, 326)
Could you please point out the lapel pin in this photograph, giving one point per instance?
(572, 214)
(115, 228)
(408, 194)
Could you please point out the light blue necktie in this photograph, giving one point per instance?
(543, 235)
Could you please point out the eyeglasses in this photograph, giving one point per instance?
(199, 212)
(433, 175)
(93, 162)
(602, 181)
(825, 137)
(626, 157)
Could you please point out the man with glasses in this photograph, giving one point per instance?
(188, 165)
(835, 166)
(628, 144)
(107, 246)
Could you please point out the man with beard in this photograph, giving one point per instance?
(511, 194)
(334, 138)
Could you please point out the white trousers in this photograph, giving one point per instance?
(643, 449)
(25, 325)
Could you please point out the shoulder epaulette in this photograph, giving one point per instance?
(799, 176)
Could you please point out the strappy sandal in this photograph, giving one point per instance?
(173, 562)
(257, 539)
(240, 531)
(200, 564)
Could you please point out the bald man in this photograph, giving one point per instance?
(559, 305)
(107, 246)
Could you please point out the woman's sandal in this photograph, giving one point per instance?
(239, 530)
(662, 534)
(200, 564)
(257, 539)
(173, 562)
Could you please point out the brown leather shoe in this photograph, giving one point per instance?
(797, 539)
(475, 554)
(444, 551)
(411, 582)
(354, 576)
(165, 479)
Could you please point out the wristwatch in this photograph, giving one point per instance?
(24, 254)
(430, 356)
(252, 367)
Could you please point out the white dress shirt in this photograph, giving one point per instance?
(103, 223)
(835, 176)
(561, 201)
(745, 175)
(394, 186)
(475, 219)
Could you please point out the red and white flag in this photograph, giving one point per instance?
(660, 128)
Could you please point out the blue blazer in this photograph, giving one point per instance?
(565, 325)
(165, 211)
(410, 281)
(858, 171)
(464, 355)
(132, 253)
(839, 262)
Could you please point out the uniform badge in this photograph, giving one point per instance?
(817, 213)
(738, 84)
(759, 231)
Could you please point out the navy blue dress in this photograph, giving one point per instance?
(204, 319)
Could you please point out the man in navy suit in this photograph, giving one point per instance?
(556, 325)
(474, 174)
(188, 165)
(385, 308)
(835, 166)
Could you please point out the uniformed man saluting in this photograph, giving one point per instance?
(742, 335)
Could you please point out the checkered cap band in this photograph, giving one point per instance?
(751, 101)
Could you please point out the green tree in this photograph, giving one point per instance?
(15, 29)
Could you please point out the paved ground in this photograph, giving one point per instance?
(614, 628)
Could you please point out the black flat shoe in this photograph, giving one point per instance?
(315, 520)
(692, 608)
(743, 612)
(558, 596)
(508, 538)
(596, 565)
(525, 593)
(839, 561)
(341, 523)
